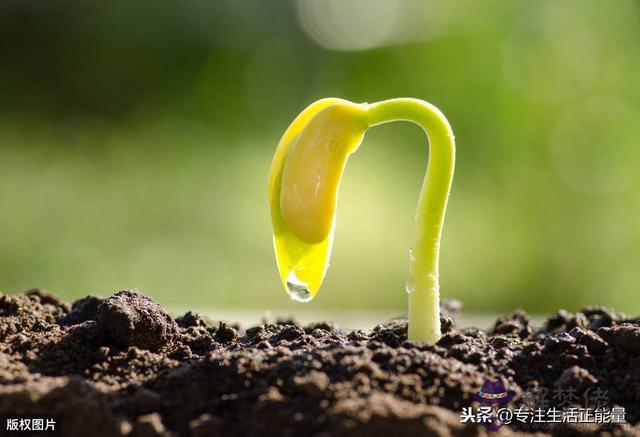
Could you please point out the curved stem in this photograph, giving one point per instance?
(423, 286)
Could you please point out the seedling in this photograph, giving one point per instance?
(303, 187)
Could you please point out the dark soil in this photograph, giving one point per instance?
(122, 366)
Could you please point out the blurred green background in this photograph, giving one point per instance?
(136, 139)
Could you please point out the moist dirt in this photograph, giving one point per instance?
(122, 366)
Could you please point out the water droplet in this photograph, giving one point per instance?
(409, 285)
(297, 288)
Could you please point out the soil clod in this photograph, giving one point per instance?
(133, 319)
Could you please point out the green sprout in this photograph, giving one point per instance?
(303, 187)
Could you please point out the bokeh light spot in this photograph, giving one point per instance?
(552, 53)
(366, 24)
